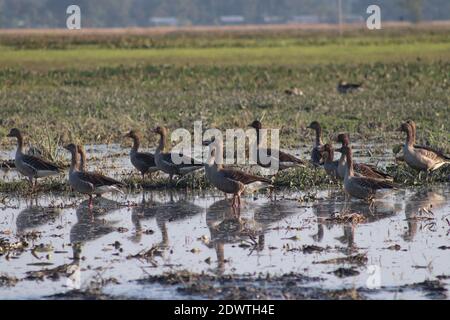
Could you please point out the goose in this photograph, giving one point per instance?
(163, 159)
(32, 167)
(361, 187)
(144, 162)
(413, 127)
(229, 180)
(420, 158)
(360, 169)
(330, 165)
(82, 154)
(89, 182)
(344, 87)
(316, 155)
(284, 160)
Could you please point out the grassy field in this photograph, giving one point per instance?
(93, 87)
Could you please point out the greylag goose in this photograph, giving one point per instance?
(230, 180)
(344, 87)
(413, 127)
(420, 158)
(89, 182)
(144, 162)
(360, 169)
(82, 154)
(32, 167)
(361, 187)
(285, 160)
(330, 165)
(316, 155)
(163, 159)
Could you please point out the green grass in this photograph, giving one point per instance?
(92, 89)
(87, 58)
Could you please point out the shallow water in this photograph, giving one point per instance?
(200, 233)
(114, 159)
(405, 239)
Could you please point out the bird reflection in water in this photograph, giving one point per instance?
(329, 210)
(92, 223)
(34, 216)
(164, 212)
(419, 210)
(226, 227)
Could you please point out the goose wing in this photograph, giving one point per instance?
(147, 158)
(374, 184)
(39, 164)
(286, 157)
(98, 180)
(431, 153)
(243, 177)
(370, 171)
(186, 161)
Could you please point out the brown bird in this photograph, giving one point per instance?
(285, 160)
(82, 154)
(230, 180)
(361, 187)
(413, 127)
(89, 182)
(32, 167)
(360, 169)
(420, 158)
(330, 165)
(144, 162)
(163, 158)
(344, 87)
(316, 154)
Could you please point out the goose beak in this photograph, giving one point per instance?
(127, 135)
(399, 129)
(9, 135)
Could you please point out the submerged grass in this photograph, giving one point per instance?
(300, 179)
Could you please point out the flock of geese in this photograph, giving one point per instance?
(359, 180)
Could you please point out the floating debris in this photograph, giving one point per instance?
(358, 259)
(53, 274)
(7, 281)
(347, 217)
(345, 272)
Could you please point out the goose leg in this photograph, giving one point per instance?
(234, 211)
(233, 203)
(30, 180)
(90, 202)
(239, 199)
(372, 207)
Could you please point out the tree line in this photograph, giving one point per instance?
(139, 13)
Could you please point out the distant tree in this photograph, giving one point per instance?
(415, 9)
(125, 13)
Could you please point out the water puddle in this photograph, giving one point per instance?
(401, 249)
(140, 245)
